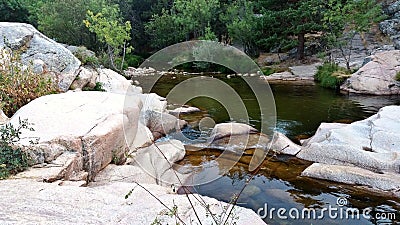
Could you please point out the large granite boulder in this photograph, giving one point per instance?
(88, 129)
(41, 51)
(371, 145)
(377, 77)
(115, 83)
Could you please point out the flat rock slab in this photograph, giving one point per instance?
(354, 175)
(28, 202)
(301, 75)
(305, 70)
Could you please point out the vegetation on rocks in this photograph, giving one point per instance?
(12, 159)
(330, 75)
(19, 84)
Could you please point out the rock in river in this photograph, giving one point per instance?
(371, 145)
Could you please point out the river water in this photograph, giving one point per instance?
(300, 110)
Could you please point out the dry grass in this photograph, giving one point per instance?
(19, 84)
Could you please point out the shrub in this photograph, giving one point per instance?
(86, 56)
(330, 75)
(270, 70)
(134, 60)
(12, 160)
(267, 71)
(98, 87)
(398, 76)
(19, 84)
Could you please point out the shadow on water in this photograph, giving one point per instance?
(300, 110)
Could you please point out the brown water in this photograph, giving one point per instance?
(300, 110)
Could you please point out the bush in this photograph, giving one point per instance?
(271, 70)
(134, 60)
(19, 84)
(330, 75)
(12, 160)
(98, 87)
(398, 76)
(86, 56)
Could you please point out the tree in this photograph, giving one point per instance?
(13, 11)
(243, 25)
(342, 20)
(63, 21)
(186, 20)
(289, 20)
(109, 29)
(139, 13)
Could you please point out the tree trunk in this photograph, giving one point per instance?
(300, 48)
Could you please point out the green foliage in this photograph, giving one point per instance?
(342, 21)
(285, 21)
(134, 60)
(398, 76)
(62, 21)
(130, 61)
(85, 56)
(267, 71)
(270, 70)
(330, 75)
(242, 24)
(20, 85)
(13, 11)
(12, 159)
(98, 87)
(184, 21)
(109, 29)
